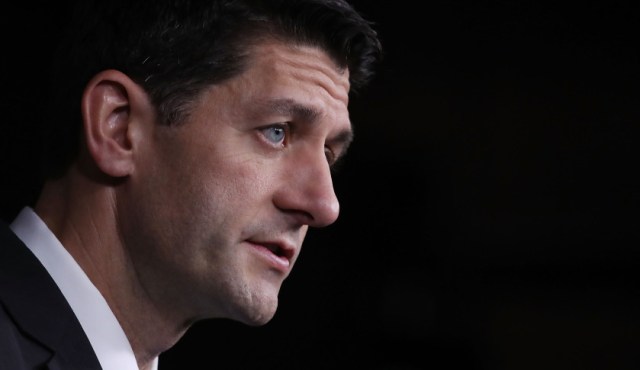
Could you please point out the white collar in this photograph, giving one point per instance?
(96, 318)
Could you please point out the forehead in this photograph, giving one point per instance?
(300, 61)
(283, 82)
(273, 61)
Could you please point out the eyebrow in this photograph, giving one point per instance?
(290, 107)
(344, 139)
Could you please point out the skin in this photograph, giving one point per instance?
(174, 224)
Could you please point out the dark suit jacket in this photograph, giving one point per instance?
(38, 329)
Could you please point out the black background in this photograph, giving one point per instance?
(489, 202)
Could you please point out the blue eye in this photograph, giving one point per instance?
(275, 134)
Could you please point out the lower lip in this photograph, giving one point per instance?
(278, 262)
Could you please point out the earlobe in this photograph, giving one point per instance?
(107, 105)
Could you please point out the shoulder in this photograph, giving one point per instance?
(17, 350)
(37, 325)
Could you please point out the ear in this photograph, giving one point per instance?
(113, 107)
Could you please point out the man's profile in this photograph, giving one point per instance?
(188, 149)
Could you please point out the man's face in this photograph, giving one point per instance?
(215, 214)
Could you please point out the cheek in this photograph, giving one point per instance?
(248, 180)
(203, 190)
(227, 196)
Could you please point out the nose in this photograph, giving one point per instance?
(307, 192)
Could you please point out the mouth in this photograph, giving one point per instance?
(279, 255)
(279, 250)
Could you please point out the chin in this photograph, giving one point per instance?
(259, 313)
(259, 318)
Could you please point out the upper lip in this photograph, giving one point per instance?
(278, 247)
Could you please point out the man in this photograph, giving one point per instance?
(189, 149)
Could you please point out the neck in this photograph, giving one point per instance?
(82, 213)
